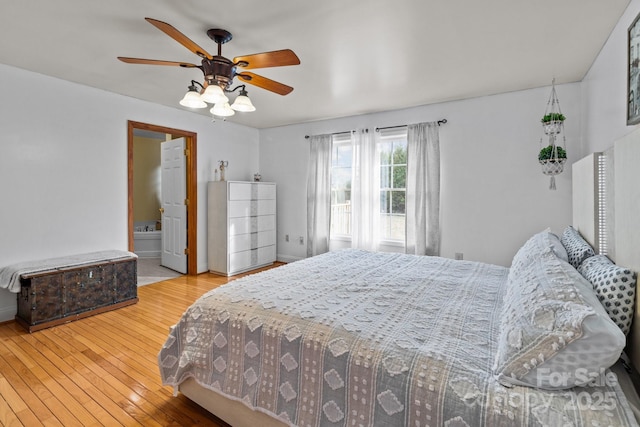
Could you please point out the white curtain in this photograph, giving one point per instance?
(319, 195)
(365, 192)
(423, 189)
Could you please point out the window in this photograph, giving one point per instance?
(392, 161)
(341, 174)
(393, 173)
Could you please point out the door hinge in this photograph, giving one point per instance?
(186, 202)
(186, 251)
(186, 152)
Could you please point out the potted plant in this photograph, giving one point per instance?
(552, 122)
(552, 159)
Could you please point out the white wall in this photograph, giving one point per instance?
(494, 195)
(605, 89)
(63, 166)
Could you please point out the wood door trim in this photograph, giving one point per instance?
(191, 142)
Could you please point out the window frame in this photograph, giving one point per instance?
(336, 141)
(385, 136)
(346, 139)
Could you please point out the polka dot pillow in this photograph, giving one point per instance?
(577, 248)
(615, 287)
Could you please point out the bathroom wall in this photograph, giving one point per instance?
(146, 179)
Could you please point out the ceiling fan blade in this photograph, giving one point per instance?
(156, 62)
(276, 58)
(265, 83)
(179, 37)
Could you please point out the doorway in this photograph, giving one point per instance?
(191, 186)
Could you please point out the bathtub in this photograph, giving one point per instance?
(147, 244)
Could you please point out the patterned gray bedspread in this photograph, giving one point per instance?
(354, 338)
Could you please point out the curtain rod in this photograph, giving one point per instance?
(440, 122)
(336, 133)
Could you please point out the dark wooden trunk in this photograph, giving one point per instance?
(56, 296)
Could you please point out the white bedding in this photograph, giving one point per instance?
(358, 338)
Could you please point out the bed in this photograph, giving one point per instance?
(355, 338)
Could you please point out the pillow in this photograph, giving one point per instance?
(554, 333)
(615, 287)
(577, 248)
(558, 247)
(535, 246)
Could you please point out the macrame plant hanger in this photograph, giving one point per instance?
(553, 156)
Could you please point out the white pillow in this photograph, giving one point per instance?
(534, 247)
(558, 247)
(554, 332)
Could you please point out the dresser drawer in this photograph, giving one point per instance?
(239, 208)
(246, 260)
(251, 191)
(266, 192)
(251, 224)
(240, 191)
(244, 242)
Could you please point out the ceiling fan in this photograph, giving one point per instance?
(219, 72)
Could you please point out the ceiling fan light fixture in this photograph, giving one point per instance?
(219, 71)
(243, 103)
(222, 110)
(192, 99)
(213, 94)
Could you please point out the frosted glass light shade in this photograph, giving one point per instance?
(213, 94)
(243, 103)
(222, 110)
(192, 99)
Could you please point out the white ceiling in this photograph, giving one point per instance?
(357, 56)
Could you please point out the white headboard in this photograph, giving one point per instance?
(606, 211)
(586, 212)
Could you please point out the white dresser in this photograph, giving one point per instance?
(241, 226)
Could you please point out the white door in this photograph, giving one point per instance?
(174, 209)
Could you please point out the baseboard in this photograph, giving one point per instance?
(8, 313)
(148, 254)
(288, 258)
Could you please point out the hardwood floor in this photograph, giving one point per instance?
(101, 370)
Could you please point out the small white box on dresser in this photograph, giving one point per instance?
(241, 226)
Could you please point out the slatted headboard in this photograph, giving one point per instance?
(606, 211)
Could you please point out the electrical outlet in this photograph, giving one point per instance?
(458, 255)
(301, 240)
(286, 237)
